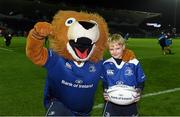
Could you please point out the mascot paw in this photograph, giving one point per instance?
(42, 30)
(128, 55)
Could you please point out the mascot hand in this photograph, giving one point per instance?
(128, 55)
(42, 30)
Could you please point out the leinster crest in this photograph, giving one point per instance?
(92, 68)
(128, 71)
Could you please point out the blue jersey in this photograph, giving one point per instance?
(168, 41)
(162, 36)
(70, 83)
(128, 73)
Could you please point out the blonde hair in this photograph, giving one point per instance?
(116, 38)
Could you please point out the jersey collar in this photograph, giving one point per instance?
(111, 60)
(79, 65)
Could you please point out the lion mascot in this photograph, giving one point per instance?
(73, 60)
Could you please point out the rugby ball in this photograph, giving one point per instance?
(121, 94)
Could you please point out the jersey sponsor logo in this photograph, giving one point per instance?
(119, 82)
(77, 85)
(68, 65)
(110, 72)
(78, 81)
(92, 68)
(128, 71)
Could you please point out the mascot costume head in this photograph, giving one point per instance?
(73, 61)
(82, 36)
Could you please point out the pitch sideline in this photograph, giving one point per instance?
(147, 95)
(6, 49)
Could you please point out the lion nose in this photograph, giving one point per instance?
(86, 25)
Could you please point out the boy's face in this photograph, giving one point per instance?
(116, 50)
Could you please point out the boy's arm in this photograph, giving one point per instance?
(35, 49)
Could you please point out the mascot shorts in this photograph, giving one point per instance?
(111, 109)
(56, 108)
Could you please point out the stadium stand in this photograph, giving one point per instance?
(122, 21)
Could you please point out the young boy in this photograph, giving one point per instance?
(119, 72)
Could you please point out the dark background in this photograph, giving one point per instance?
(25, 13)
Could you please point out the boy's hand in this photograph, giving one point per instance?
(106, 96)
(137, 96)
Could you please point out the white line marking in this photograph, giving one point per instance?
(147, 95)
(161, 92)
(6, 49)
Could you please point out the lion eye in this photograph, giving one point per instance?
(70, 21)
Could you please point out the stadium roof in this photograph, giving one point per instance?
(127, 17)
(31, 11)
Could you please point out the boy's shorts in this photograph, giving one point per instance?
(111, 109)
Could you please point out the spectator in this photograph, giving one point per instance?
(126, 37)
(7, 38)
(165, 42)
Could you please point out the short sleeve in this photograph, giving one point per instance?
(52, 59)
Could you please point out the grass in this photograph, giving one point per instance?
(22, 83)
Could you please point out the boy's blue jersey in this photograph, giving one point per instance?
(127, 73)
(72, 84)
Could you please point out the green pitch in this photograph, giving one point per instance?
(22, 83)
